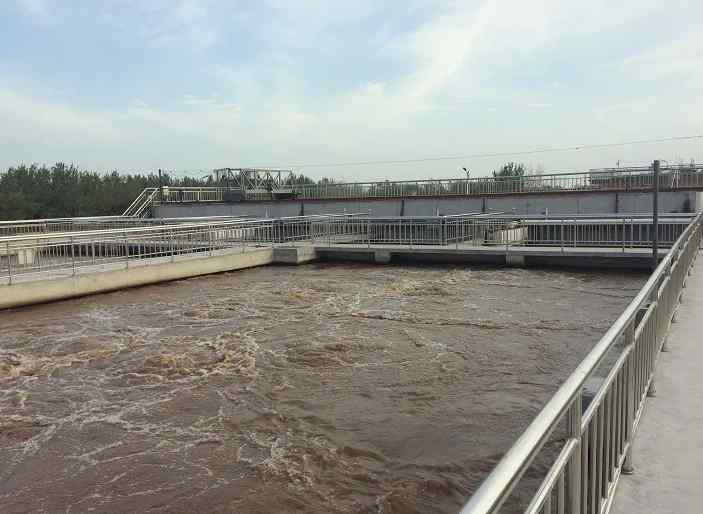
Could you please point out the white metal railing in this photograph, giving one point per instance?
(56, 225)
(615, 231)
(143, 203)
(634, 179)
(599, 434)
(29, 257)
(76, 244)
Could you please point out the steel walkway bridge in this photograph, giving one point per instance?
(48, 249)
(672, 178)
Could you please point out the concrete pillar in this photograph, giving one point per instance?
(517, 261)
(382, 257)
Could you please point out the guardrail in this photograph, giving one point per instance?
(638, 179)
(43, 226)
(55, 225)
(500, 230)
(46, 255)
(599, 434)
(142, 204)
(126, 239)
(625, 180)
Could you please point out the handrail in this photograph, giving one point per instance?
(226, 223)
(140, 203)
(35, 256)
(499, 484)
(636, 179)
(54, 220)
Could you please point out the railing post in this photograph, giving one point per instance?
(9, 264)
(209, 239)
(574, 485)
(126, 250)
(631, 397)
(655, 217)
(368, 232)
(73, 255)
(562, 235)
(623, 234)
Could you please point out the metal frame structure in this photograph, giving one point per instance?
(475, 229)
(269, 185)
(254, 181)
(48, 255)
(85, 243)
(79, 224)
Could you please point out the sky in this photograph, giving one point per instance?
(189, 85)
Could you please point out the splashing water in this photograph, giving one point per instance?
(322, 388)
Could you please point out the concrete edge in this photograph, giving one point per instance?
(83, 284)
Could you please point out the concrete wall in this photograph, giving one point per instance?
(27, 293)
(581, 203)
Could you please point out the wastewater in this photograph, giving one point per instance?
(324, 388)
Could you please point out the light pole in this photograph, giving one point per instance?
(655, 217)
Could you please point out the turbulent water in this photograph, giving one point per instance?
(323, 388)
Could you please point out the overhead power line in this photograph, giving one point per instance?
(497, 154)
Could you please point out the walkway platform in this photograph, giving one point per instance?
(497, 255)
(668, 447)
(60, 284)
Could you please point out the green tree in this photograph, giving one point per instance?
(510, 169)
(32, 192)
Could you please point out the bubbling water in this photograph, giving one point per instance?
(322, 388)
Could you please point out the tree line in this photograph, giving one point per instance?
(61, 191)
(64, 190)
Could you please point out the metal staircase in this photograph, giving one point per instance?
(141, 206)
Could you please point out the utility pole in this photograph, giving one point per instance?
(655, 217)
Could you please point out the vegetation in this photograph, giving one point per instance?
(30, 192)
(510, 169)
(63, 191)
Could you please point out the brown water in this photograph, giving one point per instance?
(323, 388)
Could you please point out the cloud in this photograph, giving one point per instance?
(43, 120)
(36, 9)
(677, 59)
(165, 23)
(209, 82)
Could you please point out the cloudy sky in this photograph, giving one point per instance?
(196, 84)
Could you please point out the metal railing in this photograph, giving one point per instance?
(45, 226)
(635, 179)
(599, 434)
(142, 204)
(106, 241)
(615, 231)
(559, 182)
(35, 256)
(55, 225)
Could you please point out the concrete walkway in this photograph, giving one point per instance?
(668, 447)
